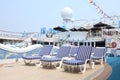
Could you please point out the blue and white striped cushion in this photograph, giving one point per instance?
(31, 57)
(74, 62)
(63, 51)
(73, 51)
(84, 53)
(45, 50)
(54, 59)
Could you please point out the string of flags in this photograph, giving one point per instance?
(100, 10)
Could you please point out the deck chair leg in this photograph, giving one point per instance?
(91, 64)
(65, 66)
(60, 65)
(104, 59)
(83, 68)
(16, 59)
(72, 68)
(27, 61)
(39, 64)
(101, 61)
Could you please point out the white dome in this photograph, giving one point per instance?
(66, 13)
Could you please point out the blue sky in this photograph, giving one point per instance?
(31, 15)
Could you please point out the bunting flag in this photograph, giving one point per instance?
(91, 1)
(104, 14)
(100, 10)
(94, 4)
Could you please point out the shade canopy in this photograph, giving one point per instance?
(73, 29)
(95, 28)
(109, 27)
(100, 24)
(83, 29)
(58, 28)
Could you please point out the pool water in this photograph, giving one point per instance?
(114, 62)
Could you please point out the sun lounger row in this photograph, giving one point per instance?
(46, 49)
(69, 57)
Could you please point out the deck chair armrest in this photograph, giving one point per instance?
(35, 54)
(92, 54)
(47, 56)
(87, 60)
(68, 58)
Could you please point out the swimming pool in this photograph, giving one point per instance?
(114, 62)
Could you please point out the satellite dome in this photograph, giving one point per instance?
(66, 13)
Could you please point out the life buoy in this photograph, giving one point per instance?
(114, 44)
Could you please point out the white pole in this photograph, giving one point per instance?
(83, 43)
(78, 43)
(94, 44)
(90, 43)
(86, 43)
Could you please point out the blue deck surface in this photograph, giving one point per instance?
(114, 62)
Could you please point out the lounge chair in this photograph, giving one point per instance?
(98, 54)
(72, 54)
(46, 49)
(54, 61)
(80, 61)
